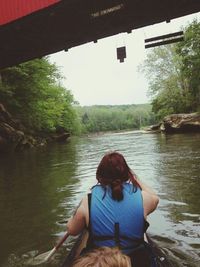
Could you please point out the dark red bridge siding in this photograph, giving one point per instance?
(11, 10)
(43, 27)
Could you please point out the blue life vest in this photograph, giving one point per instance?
(117, 223)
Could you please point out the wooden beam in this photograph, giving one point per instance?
(164, 42)
(170, 35)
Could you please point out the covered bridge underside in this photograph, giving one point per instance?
(69, 23)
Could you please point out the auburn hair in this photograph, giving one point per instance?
(103, 257)
(113, 171)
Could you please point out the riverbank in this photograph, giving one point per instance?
(178, 123)
(14, 136)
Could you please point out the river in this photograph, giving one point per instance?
(40, 188)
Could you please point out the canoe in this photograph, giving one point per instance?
(75, 252)
(80, 244)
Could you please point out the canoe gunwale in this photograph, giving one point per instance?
(81, 242)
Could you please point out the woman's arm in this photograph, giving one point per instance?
(150, 198)
(79, 220)
(150, 202)
(145, 187)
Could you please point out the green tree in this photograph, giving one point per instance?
(162, 68)
(173, 72)
(189, 51)
(32, 93)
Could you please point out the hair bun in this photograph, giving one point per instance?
(117, 189)
(116, 182)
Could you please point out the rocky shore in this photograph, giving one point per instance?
(178, 123)
(14, 136)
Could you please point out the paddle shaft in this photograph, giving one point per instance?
(62, 240)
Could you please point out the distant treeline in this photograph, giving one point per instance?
(115, 118)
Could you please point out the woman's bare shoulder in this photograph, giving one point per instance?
(150, 202)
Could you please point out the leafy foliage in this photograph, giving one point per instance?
(173, 72)
(115, 118)
(189, 51)
(32, 93)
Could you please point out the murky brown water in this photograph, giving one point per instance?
(40, 188)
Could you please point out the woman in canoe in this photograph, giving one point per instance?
(115, 212)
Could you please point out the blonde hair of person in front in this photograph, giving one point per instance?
(103, 257)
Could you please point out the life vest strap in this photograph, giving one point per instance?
(112, 237)
(117, 235)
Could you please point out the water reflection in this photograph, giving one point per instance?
(33, 185)
(179, 180)
(40, 188)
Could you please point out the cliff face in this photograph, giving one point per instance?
(178, 123)
(13, 135)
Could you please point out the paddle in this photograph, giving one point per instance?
(44, 257)
(51, 253)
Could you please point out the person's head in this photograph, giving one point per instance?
(113, 170)
(103, 257)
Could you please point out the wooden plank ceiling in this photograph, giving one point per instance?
(70, 23)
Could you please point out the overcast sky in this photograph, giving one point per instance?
(94, 75)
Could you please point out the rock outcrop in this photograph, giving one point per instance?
(12, 133)
(14, 136)
(178, 123)
(181, 123)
